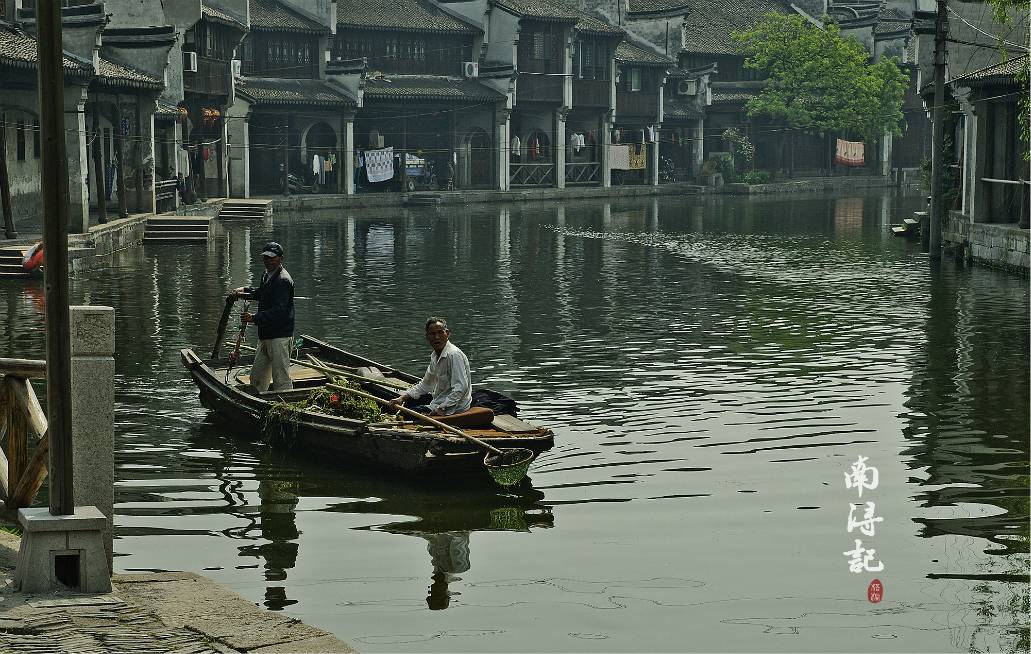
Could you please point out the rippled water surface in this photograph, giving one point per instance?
(711, 368)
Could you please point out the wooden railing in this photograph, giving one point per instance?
(645, 105)
(536, 87)
(591, 92)
(212, 77)
(22, 423)
(583, 173)
(532, 174)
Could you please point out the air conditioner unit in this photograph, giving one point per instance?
(470, 69)
(237, 67)
(687, 87)
(189, 62)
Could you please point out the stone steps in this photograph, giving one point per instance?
(245, 210)
(10, 263)
(423, 199)
(192, 229)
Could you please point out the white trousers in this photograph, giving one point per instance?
(272, 364)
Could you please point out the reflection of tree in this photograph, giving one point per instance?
(968, 426)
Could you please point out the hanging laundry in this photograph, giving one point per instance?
(534, 147)
(638, 157)
(849, 153)
(619, 157)
(515, 147)
(379, 164)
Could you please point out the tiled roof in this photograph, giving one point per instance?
(427, 87)
(19, 49)
(591, 24)
(1003, 72)
(270, 15)
(119, 75)
(710, 25)
(892, 20)
(632, 53)
(555, 10)
(678, 109)
(642, 8)
(272, 91)
(728, 96)
(219, 15)
(406, 15)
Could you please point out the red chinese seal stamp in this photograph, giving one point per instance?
(875, 591)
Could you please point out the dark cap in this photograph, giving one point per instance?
(272, 249)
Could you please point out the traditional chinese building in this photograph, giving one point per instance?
(639, 112)
(289, 121)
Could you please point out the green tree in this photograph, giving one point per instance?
(820, 81)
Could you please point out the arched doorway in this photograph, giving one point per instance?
(320, 145)
(475, 165)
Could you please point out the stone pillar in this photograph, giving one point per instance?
(238, 131)
(93, 410)
(653, 163)
(698, 147)
(559, 144)
(886, 147)
(604, 151)
(502, 125)
(979, 209)
(147, 162)
(78, 161)
(348, 167)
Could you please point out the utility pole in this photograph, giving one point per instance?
(55, 195)
(937, 208)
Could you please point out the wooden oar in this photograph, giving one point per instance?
(332, 370)
(502, 471)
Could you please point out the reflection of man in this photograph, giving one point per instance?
(449, 552)
(275, 322)
(446, 387)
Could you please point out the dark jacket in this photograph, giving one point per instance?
(275, 296)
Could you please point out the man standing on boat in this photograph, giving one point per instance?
(447, 382)
(274, 320)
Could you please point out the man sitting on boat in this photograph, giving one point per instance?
(446, 388)
(275, 322)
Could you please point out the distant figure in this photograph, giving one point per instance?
(275, 322)
(446, 387)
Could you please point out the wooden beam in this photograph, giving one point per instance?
(35, 473)
(28, 368)
(24, 397)
(56, 210)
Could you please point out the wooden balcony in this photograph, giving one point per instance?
(643, 105)
(211, 78)
(591, 92)
(533, 87)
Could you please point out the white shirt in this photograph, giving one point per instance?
(447, 380)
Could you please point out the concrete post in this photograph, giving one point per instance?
(698, 147)
(502, 122)
(348, 169)
(93, 401)
(238, 130)
(653, 155)
(147, 162)
(78, 161)
(886, 147)
(559, 131)
(604, 135)
(979, 210)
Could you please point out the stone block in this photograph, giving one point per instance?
(93, 330)
(47, 537)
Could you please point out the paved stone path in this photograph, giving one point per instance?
(176, 613)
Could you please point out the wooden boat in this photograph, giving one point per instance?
(409, 447)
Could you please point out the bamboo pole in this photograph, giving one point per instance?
(55, 195)
(26, 368)
(332, 370)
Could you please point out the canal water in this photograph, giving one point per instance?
(712, 368)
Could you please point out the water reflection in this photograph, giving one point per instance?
(708, 365)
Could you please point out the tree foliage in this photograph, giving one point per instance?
(819, 80)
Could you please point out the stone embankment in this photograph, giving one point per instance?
(163, 612)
